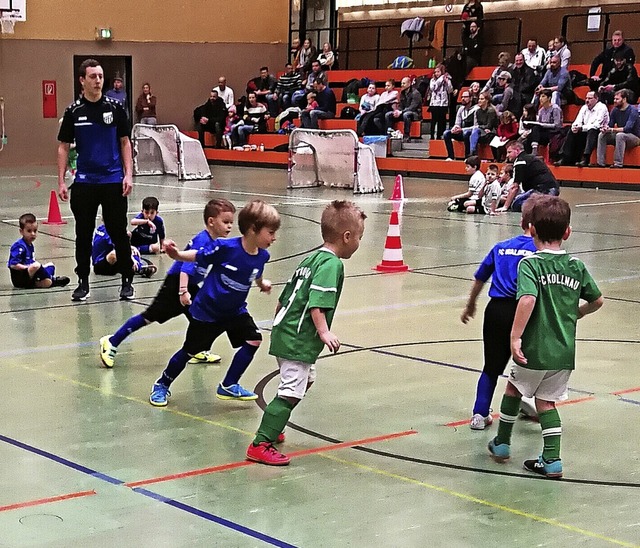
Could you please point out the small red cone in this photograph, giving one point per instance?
(398, 189)
(392, 255)
(54, 217)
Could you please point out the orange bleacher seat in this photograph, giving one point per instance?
(337, 123)
(437, 149)
(631, 158)
(378, 75)
(269, 140)
(480, 73)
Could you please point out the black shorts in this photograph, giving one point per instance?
(104, 268)
(479, 208)
(21, 279)
(496, 334)
(239, 329)
(166, 304)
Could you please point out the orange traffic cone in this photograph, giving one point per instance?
(54, 217)
(392, 255)
(398, 189)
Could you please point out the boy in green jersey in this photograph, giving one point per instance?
(302, 323)
(550, 287)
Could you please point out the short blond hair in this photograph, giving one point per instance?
(339, 217)
(256, 215)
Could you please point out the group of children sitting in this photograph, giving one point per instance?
(486, 194)
(146, 238)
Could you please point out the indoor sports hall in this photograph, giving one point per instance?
(382, 453)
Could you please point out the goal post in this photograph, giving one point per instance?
(333, 158)
(162, 149)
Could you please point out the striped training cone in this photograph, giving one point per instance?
(392, 254)
(398, 190)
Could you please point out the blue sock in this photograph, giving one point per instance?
(176, 365)
(239, 365)
(484, 394)
(144, 249)
(50, 270)
(132, 324)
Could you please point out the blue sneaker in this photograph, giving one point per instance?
(551, 469)
(235, 392)
(500, 452)
(159, 395)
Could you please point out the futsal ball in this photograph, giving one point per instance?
(452, 206)
(464, 16)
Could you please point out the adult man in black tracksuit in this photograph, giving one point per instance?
(211, 117)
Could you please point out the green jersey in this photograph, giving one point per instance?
(316, 283)
(558, 282)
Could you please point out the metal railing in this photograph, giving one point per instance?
(513, 23)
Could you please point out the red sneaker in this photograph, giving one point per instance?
(266, 453)
(280, 438)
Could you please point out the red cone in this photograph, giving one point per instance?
(392, 256)
(54, 217)
(398, 189)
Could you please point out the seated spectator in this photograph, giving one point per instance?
(548, 122)
(583, 138)
(299, 97)
(462, 128)
(508, 98)
(409, 108)
(489, 195)
(326, 57)
(561, 49)
(486, 123)
(231, 121)
(623, 130)
(474, 91)
(504, 64)
(476, 184)
(472, 12)
(507, 131)
(265, 87)
(294, 52)
(472, 46)
(535, 57)
(307, 55)
(621, 76)
(225, 92)
(606, 59)
(326, 108)
(556, 80)
(312, 104)
(529, 114)
(373, 123)
(288, 84)
(506, 180)
(254, 120)
(211, 117)
(524, 79)
(146, 106)
(440, 88)
(369, 101)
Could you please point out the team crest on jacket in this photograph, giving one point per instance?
(107, 117)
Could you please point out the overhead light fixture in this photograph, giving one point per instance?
(103, 33)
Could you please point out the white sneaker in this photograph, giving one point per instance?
(449, 160)
(478, 422)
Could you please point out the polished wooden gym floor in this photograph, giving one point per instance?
(383, 455)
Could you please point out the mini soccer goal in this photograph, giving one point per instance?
(163, 149)
(332, 158)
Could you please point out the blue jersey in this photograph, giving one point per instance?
(21, 253)
(224, 292)
(96, 129)
(202, 240)
(501, 265)
(142, 234)
(101, 245)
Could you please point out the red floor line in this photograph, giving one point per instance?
(47, 500)
(496, 416)
(240, 464)
(626, 391)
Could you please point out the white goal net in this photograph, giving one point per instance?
(163, 149)
(332, 158)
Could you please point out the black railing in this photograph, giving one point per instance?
(513, 24)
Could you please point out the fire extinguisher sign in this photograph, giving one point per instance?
(49, 99)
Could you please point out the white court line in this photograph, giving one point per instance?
(621, 202)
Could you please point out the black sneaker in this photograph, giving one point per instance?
(59, 281)
(126, 291)
(81, 292)
(551, 469)
(147, 269)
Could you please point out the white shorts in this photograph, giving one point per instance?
(548, 385)
(294, 378)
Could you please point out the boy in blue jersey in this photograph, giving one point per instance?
(220, 305)
(100, 129)
(26, 272)
(180, 286)
(149, 234)
(501, 265)
(551, 285)
(105, 260)
(301, 327)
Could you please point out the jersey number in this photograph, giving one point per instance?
(283, 311)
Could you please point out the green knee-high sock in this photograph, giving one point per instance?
(551, 434)
(275, 418)
(508, 414)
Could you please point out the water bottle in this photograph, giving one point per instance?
(261, 147)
